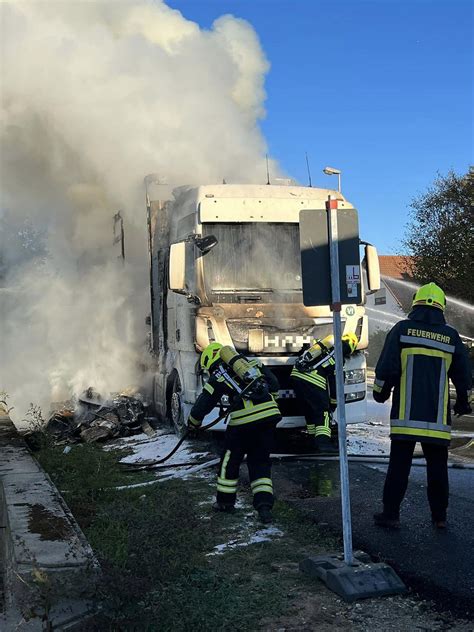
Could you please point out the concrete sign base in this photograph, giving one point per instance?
(351, 582)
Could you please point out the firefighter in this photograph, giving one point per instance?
(419, 357)
(313, 380)
(250, 429)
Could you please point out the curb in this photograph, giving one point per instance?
(49, 570)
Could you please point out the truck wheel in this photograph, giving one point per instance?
(175, 408)
(157, 399)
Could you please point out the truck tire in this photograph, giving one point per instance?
(175, 407)
(160, 410)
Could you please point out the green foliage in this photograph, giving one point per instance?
(153, 544)
(84, 472)
(440, 235)
(149, 544)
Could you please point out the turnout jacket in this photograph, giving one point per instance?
(320, 376)
(419, 357)
(243, 411)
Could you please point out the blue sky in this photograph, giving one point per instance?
(380, 89)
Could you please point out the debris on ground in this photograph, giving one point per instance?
(92, 418)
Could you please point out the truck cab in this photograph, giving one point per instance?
(225, 266)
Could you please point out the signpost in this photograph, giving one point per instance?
(330, 263)
(331, 208)
(327, 238)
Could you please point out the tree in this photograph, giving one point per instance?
(440, 235)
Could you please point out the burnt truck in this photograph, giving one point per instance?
(225, 266)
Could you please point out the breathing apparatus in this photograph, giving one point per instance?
(245, 377)
(320, 349)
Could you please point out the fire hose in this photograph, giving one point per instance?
(146, 465)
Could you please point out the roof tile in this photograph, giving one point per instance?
(395, 266)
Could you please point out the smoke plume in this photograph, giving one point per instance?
(94, 96)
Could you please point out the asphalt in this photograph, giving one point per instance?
(436, 564)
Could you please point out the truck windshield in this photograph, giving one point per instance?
(258, 261)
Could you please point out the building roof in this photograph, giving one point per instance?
(399, 281)
(395, 266)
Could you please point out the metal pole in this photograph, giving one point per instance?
(331, 207)
(339, 182)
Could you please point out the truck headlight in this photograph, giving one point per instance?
(354, 376)
(355, 397)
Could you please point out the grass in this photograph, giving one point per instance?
(153, 544)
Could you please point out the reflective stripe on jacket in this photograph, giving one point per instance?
(255, 412)
(320, 375)
(243, 410)
(419, 357)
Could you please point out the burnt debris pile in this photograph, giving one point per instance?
(91, 418)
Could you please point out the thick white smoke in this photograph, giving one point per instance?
(95, 96)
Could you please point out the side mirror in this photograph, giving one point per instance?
(206, 244)
(373, 268)
(177, 267)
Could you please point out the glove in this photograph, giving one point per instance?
(380, 398)
(193, 426)
(462, 409)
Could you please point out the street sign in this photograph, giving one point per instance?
(341, 272)
(315, 265)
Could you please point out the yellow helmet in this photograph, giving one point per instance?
(352, 340)
(430, 295)
(210, 355)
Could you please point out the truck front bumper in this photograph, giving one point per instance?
(356, 412)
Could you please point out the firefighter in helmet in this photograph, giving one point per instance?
(313, 380)
(420, 355)
(250, 430)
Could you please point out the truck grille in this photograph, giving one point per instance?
(275, 340)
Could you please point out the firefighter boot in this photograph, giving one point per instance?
(325, 445)
(265, 514)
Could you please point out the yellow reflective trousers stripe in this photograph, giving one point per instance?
(325, 428)
(262, 485)
(226, 485)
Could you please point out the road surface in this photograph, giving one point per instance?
(437, 564)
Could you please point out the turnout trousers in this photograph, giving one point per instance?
(255, 440)
(396, 482)
(314, 402)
